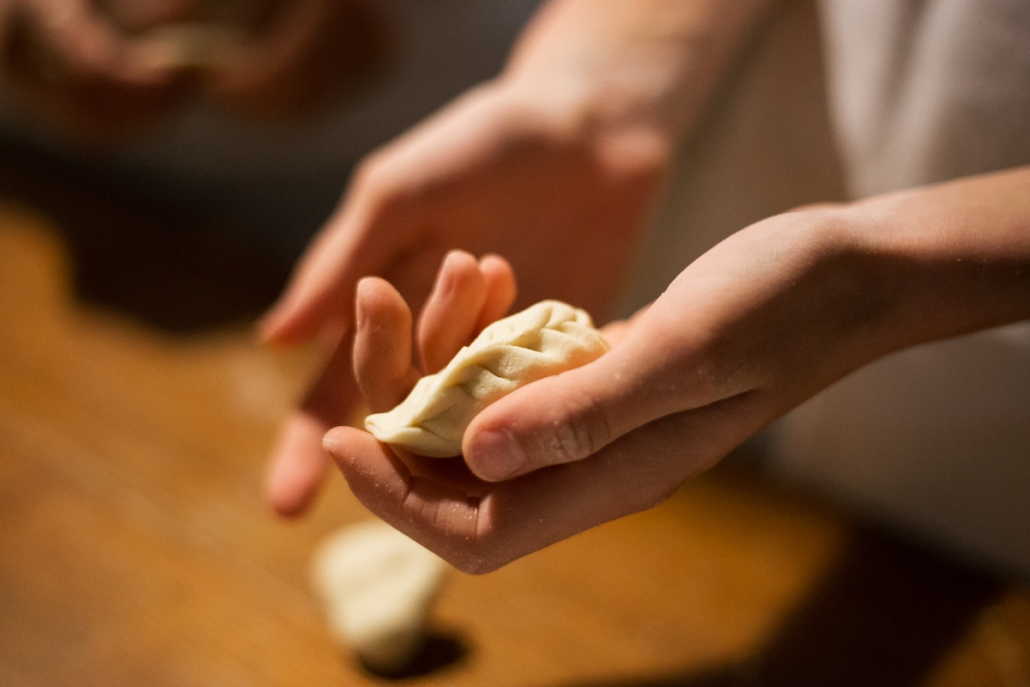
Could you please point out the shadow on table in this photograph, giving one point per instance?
(883, 614)
(443, 649)
(179, 255)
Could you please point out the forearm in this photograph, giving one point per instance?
(793, 303)
(956, 256)
(650, 64)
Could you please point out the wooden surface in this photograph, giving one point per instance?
(135, 548)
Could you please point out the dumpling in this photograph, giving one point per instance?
(542, 340)
(378, 588)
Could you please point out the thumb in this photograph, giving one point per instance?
(570, 416)
(322, 286)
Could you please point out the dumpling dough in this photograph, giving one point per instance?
(542, 340)
(378, 587)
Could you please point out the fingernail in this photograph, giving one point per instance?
(497, 455)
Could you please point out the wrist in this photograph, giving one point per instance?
(583, 117)
(643, 68)
(607, 101)
(835, 303)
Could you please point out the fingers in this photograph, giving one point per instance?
(440, 516)
(382, 345)
(298, 462)
(573, 415)
(449, 318)
(481, 532)
(501, 289)
(409, 203)
(467, 296)
(321, 288)
(467, 292)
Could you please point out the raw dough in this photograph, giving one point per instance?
(378, 587)
(542, 340)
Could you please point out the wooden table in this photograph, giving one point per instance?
(135, 548)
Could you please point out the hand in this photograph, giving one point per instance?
(493, 173)
(554, 165)
(720, 354)
(751, 329)
(468, 295)
(498, 170)
(70, 62)
(559, 156)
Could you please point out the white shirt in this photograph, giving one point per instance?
(935, 438)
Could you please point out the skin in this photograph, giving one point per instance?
(760, 323)
(92, 70)
(562, 154)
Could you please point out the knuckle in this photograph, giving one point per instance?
(582, 430)
(368, 175)
(471, 542)
(373, 181)
(489, 546)
(380, 191)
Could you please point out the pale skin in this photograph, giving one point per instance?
(562, 154)
(754, 327)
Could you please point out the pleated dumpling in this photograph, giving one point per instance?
(542, 340)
